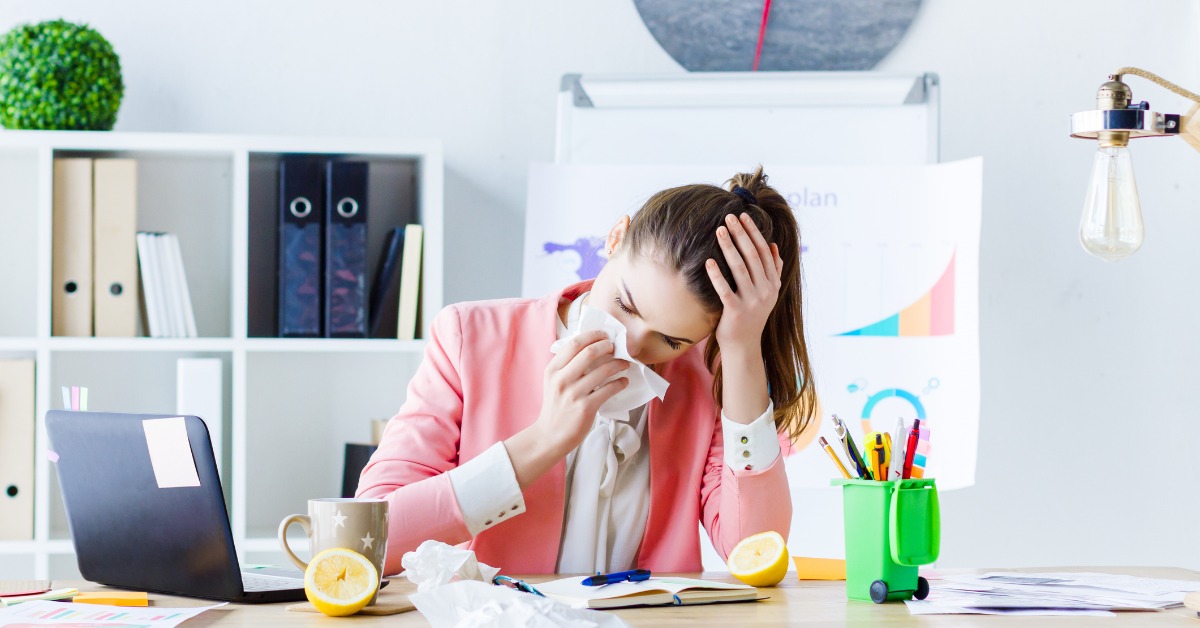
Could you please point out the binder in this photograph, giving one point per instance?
(72, 256)
(384, 305)
(166, 277)
(356, 458)
(114, 248)
(16, 450)
(185, 316)
(152, 288)
(199, 391)
(300, 226)
(410, 283)
(346, 249)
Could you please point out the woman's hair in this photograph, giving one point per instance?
(678, 226)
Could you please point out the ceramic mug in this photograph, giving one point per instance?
(351, 523)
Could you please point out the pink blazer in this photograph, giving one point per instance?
(481, 382)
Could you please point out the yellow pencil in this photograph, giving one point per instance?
(836, 460)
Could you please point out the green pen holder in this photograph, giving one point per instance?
(891, 528)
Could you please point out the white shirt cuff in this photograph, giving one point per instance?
(487, 490)
(753, 446)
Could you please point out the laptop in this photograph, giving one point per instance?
(130, 533)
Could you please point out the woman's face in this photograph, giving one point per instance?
(662, 317)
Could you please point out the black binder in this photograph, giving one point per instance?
(384, 301)
(346, 249)
(301, 213)
(357, 457)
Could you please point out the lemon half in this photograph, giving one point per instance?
(760, 560)
(340, 582)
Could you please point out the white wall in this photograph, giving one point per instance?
(1088, 431)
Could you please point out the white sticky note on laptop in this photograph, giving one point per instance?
(170, 452)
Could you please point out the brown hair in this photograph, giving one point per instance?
(679, 227)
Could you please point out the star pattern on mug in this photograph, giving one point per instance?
(367, 541)
(339, 519)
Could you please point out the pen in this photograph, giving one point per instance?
(600, 579)
(896, 468)
(910, 448)
(880, 453)
(847, 441)
(829, 450)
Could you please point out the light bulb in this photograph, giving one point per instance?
(1111, 227)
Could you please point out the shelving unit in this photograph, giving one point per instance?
(289, 404)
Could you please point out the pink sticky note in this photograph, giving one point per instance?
(51, 456)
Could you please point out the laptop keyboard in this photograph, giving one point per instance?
(260, 582)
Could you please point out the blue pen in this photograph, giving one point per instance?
(601, 579)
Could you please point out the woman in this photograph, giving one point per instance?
(502, 444)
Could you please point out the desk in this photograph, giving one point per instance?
(792, 603)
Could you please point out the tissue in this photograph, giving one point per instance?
(470, 604)
(644, 383)
(434, 563)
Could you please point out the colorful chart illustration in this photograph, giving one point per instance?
(931, 315)
(913, 400)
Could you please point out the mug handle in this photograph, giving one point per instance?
(306, 523)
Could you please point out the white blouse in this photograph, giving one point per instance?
(607, 497)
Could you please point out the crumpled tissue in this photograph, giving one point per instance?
(434, 563)
(644, 383)
(469, 604)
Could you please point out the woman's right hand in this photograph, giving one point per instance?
(573, 389)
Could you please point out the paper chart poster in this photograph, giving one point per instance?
(891, 270)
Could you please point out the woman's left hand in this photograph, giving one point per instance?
(756, 268)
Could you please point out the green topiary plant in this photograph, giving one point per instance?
(58, 75)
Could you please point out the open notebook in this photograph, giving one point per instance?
(651, 592)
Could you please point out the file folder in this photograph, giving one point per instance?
(301, 210)
(199, 384)
(71, 272)
(114, 247)
(154, 307)
(384, 306)
(346, 249)
(16, 450)
(410, 283)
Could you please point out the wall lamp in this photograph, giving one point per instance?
(1111, 226)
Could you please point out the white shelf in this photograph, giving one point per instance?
(140, 344)
(19, 344)
(256, 345)
(219, 193)
(59, 546)
(331, 345)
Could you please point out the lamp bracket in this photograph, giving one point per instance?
(1137, 122)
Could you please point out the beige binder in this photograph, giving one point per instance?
(16, 450)
(410, 283)
(72, 257)
(115, 247)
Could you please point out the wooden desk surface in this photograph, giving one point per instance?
(792, 603)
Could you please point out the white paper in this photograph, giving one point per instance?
(434, 564)
(48, 613)
(470, 604)
(170, 452)
(877, 243)
(644, 383)
(1050, 593)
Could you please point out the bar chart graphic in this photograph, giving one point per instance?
(930, 315)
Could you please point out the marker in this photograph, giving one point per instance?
(838, 461)
(879, 448)
(896, 468)
(843, 434)
(910, 448)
